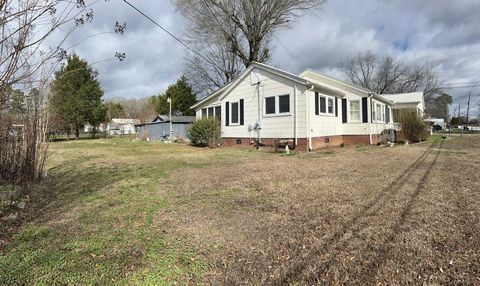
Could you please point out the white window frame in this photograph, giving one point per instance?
(210, 106)
(326, 113)
(231, 113)
(350, 119)
(378, 117)
(277, 106)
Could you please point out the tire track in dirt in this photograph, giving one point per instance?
(384, 252)
(335, 244)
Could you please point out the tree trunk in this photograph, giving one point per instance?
(77, 132)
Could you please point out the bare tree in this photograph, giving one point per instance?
(389, 75)
(232, 33)
(27, 63)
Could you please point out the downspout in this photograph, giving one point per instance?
(295, 116)
(370, 119)
(309, 136)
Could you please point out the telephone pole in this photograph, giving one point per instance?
(468, 104)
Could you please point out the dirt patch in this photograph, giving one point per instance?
(402, 215)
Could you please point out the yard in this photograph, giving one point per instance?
(118, 212)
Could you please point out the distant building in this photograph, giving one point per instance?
(159, 128)
(89, 128)
(437, 121)
(122, 126)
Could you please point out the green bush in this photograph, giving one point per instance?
(413, 128)
(205, 132)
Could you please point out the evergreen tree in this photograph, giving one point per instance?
(182, 97)
(77, 95)
(115, 110)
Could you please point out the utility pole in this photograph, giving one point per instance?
(468, 104)
(169, 100)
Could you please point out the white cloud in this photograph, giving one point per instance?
(445, 34)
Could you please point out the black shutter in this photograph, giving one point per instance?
(241, 112)
(317, 112)
(344, 110)
(387, 116)
(336, 107)
(365, 109)
(227, 113)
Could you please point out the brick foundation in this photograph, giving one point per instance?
(302, 143)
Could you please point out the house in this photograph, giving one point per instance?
(122, 126)
(89, 128)
(407, 102)
(310, 110)
(159, 128)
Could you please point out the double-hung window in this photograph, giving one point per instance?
(378, 112)
(354, 110)
(277, 105)
(234, 114)
(326, 105)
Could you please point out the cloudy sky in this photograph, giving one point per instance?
(442, 33)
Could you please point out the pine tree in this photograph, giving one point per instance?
(182, 97)
(77, 95)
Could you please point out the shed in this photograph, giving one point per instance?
(159, 127)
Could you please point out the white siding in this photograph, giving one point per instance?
(282, 126)
(324, 124)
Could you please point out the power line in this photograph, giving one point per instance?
(458, 87)
(462, 83)
(166, 31)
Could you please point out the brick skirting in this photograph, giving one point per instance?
(302, 143)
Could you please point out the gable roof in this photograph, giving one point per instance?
(211, 96)
(411, 97)
(330, 78)
(224, 91)
(268, 68)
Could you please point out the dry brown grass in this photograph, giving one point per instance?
(403, 215)
(160, 214)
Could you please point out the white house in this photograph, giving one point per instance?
(122, 126)
(413, 102)
(311, 110)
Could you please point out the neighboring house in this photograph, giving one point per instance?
(159, 128)
(122, 126)
(437, 121)
(311, 110)
(89, 128)
(410, 102)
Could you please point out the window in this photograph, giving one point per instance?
(204, 112)
(355, 110)
(326, 105)
(277, 105)
(210, 112)
(378, 112)
(234, 113)
(322, 104)
(218, 112)
(330, 105)
(284, 103)
(270, 105)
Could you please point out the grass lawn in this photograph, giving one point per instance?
(113, 211)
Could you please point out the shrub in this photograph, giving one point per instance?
(205, 132)
(413, 128)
